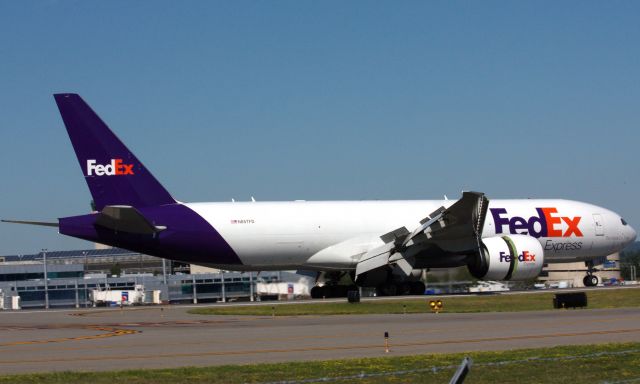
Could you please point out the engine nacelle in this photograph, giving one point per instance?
(514, 257)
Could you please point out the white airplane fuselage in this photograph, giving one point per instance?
(277, 235)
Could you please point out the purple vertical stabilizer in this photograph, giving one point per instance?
(113, 173)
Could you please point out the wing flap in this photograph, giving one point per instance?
(375, 258)
(455, 230)
(405, 266)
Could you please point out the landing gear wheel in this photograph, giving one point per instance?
(387, 289)
(404, 288)
(417, 288)
(317, 292)
(590, 281)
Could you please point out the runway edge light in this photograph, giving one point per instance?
(386, 342)
(436, 305)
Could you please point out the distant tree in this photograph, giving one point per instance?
(627, 259)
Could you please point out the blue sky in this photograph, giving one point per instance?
(323, 100)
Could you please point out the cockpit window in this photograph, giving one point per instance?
(623, 221)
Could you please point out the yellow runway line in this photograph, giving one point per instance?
(110, 332)
(310, 349)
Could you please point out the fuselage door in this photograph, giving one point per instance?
(599, 224)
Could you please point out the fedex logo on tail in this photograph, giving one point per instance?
(115, 168)
(546, 224)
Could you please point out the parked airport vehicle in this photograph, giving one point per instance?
(612, 282)
(559, 284)
(488, 286)
(382, 244)
(109, 297)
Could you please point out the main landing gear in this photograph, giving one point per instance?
(391, 288)
(388, 283)
(331, 290)
(385, 283)
(590, 280)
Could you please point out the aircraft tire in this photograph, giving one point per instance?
(417, 288)
(339, 291)
(317, 292)
(403, 288)
(590, 281)
(387, 289)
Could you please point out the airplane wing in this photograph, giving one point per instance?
(455, 230)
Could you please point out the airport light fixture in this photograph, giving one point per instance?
(436, 305)
(46, 278)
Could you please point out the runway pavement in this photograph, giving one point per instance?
(115, 339)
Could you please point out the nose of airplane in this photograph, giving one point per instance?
(632, 234)
(628, 232)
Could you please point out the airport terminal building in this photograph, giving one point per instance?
(74, 275)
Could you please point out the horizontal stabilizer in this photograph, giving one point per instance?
(123, 218)
(42, 223)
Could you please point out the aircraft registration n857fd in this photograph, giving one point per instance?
(382, 244)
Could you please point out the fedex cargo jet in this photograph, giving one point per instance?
(382, 244)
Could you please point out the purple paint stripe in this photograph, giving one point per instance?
(188, 236)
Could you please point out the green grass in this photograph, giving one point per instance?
(574, 364)
(609, 298)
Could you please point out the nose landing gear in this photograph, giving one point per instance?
(590, 280)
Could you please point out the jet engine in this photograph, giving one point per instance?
(514, 257)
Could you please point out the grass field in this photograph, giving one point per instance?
(607, 298)
(567, 364)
